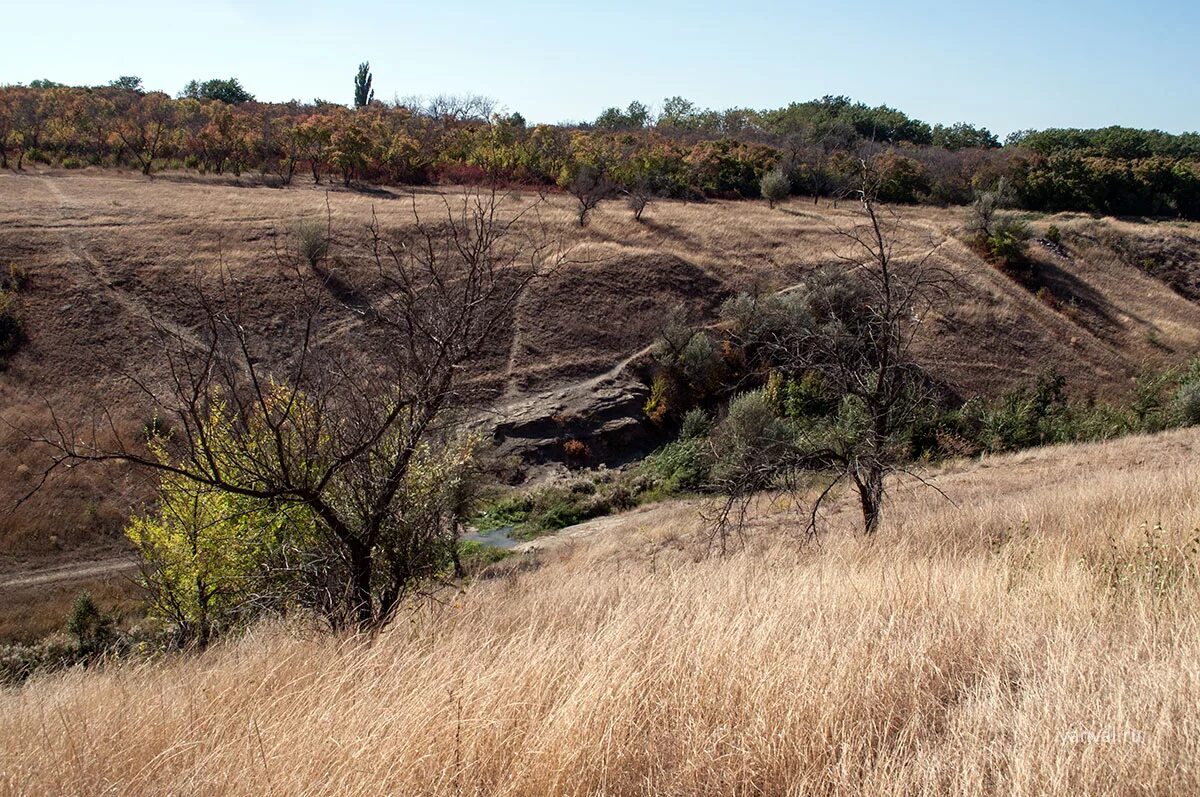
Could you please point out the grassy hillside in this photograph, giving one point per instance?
(1037, 636)
(104, 253)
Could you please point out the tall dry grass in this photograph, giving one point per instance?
(1034, 640)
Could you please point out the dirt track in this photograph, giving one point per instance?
(69, 572)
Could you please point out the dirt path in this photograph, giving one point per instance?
(76, 571)
(100, 275)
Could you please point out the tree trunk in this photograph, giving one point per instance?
(869, 482)
(360, 586)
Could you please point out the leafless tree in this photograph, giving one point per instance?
(855, 330)
(450, 108)
(638, 196)
(590, 186)
(337, 432)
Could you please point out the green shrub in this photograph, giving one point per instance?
(1187, 403)
(512, 510)
(1053, 234)
(93, 631)
(72, 163)
(312, 242)
(696, 423)
(474, 555)
(748, 441)
(1006, 244)
(681, 466)
(775, 187)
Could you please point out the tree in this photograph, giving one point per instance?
(204, 552)
(357, 441)
(852, 331)
(775, 187)
(590, 186)
(227, 90)
(144, 125)
(963, 136)
(127, 83)
(363, 93)
(350, 147)
(8, 134)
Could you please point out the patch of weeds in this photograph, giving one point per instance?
(475, 556)
(512, 510)
(1155, 566)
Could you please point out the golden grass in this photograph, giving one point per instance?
(970, 650)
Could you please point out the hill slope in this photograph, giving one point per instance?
(106, 252)
(1041, 639)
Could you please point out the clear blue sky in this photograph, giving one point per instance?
(1006, 65)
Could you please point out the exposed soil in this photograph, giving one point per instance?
(104, 253)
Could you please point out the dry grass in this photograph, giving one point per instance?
(1024, 643)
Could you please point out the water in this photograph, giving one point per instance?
(496, 538)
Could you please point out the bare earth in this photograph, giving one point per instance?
(105, 252)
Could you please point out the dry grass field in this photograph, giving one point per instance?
(1040, 637)
(105, 252)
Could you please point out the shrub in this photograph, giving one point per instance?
(475, 556)
(1006, 244)
(1053, 234)
(696, 423)
(1187, 403)
(775, 187)
(658, 404)
(748, 442)
(72, 163)
(509, 511)
(93, 631)
(576, 452)
(312, 242)
(11, 333)
(681, 466)
(13, 278)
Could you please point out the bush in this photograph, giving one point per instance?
(1053, 234)
(93, 631)
(749, 441)
(1187, 403)
(1006, 244)
(681, 466)
(577, 452)
(72, 163)
(775, 187)
(11, 333)
(312, 242)
(512, 510)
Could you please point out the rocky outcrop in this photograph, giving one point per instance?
(604, 415)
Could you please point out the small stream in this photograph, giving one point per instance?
(496, 538)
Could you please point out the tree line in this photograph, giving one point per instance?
(216, 126)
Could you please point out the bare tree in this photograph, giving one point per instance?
(590, 186)
(335, 432)
(853, 329)
(638, 195)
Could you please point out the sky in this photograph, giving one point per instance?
(1004, 65)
